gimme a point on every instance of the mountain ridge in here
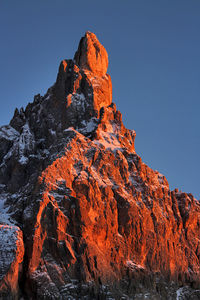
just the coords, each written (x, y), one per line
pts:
(96, 221)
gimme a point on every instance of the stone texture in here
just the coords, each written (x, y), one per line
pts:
(86, 74)
(11, 258)
(91, 55)
(97, 222)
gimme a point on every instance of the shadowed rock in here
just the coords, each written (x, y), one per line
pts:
(11, 258)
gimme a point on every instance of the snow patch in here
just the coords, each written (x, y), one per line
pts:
(179, 294)
(8, 133)
(78, 101)
(52, 132)
(132, 265)
(26, 144)
(88, 126)
(108, 140)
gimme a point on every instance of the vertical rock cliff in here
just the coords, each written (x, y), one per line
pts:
(82, 217)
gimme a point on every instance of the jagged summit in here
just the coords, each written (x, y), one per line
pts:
(92, 220)
(80, 99)
(86, 75)
(82, 88)
(91, 55)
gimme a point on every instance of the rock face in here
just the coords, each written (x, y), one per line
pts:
(91, 55)
(85, 77)
(11, 258)
(97, 222)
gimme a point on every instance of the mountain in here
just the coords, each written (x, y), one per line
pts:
(82, 217)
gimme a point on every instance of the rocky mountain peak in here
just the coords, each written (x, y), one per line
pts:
(91, 55)
(92, 220)
(86, 75)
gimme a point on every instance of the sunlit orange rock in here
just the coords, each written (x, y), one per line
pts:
(86, 76)
(91, 55)
(97, 222)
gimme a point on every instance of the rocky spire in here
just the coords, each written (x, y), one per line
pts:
(91, 55)
(97, 222)
(86, 75)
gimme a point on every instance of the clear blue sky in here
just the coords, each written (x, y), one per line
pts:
(154, 62)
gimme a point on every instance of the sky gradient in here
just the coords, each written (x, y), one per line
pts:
(154, 51)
